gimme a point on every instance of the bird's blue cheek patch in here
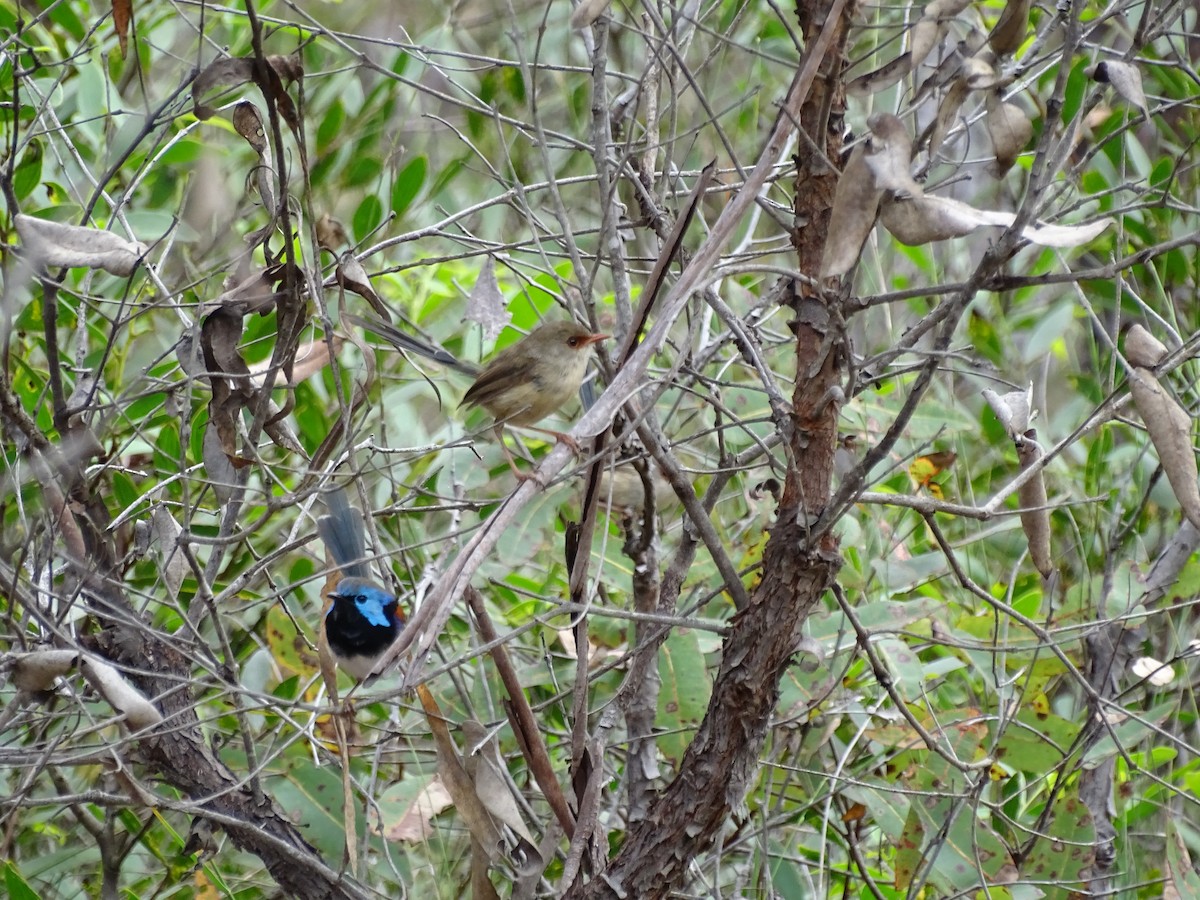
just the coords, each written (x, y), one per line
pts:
(372, 610)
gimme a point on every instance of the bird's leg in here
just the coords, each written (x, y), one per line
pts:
(558, 436)
(512, 464)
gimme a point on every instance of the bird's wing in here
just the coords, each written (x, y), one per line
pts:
(497, 379)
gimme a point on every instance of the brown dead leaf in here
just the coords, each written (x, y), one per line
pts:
(218, 467)
(457, 781)
(889, 155)
(416, 824)
(855, 205)
(1035, 518)
(37, 672)
(352, 276)
(1009, 129)
(172, 564)
(920, 220)
(1011, 27)
(56, 244)
(122, 15)
(979, 71)
(229, 72)
(1170, 429)
(947, 114)
(255, 293)
(311, 357)
(247, 121)
(1144, 349)
(882, 78)
(486, 768)
(486, 304)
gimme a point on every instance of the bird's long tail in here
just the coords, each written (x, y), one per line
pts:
(343, 533)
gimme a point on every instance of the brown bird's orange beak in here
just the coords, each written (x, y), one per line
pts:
(595, 339)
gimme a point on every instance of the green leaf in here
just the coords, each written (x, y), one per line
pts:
(683, 696)
(367, 217)
(1077, 84)
(362, 170)
(408, 184)
(18, 887)
(331, 125)
(1065, 848)
(28, 174)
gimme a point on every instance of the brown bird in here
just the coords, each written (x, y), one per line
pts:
(533, 378)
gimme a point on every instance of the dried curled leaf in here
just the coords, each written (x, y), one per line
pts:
(889, 155)
(1035, 517)
(947, 113)
(352, 276)
(1159, 674)
(927, 32)
(120, 694)
(1125, 78)
(247, 121)
(311, 358)
(36, 672)
(122, 16)
(172, 564)
(979, 71)
(1011, 27)
(416, 824)
(920, 220)
(882, 78)
(254, 293)
(56, 244)
(486, 768)
(480, 792)
(951, 65)
(233, 71)
(855, 204)
(486, 304)
(878, 166)
(1014, 410)
(1009, 129)
(1144, 349)
(1170, 430)
(216, 453)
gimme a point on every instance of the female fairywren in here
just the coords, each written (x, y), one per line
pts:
(364, 618)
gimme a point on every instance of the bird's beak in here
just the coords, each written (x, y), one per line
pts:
(595, 339)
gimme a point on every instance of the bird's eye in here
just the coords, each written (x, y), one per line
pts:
(572, 341)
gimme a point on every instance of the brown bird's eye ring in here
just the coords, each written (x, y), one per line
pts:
(573, 341)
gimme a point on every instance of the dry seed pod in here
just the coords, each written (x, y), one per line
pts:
(1035, 520)
(1170, 430)
(1144, 349)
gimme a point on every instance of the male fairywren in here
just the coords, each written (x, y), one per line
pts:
(364, 618)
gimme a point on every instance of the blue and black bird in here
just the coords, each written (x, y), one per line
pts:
(364, 618)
